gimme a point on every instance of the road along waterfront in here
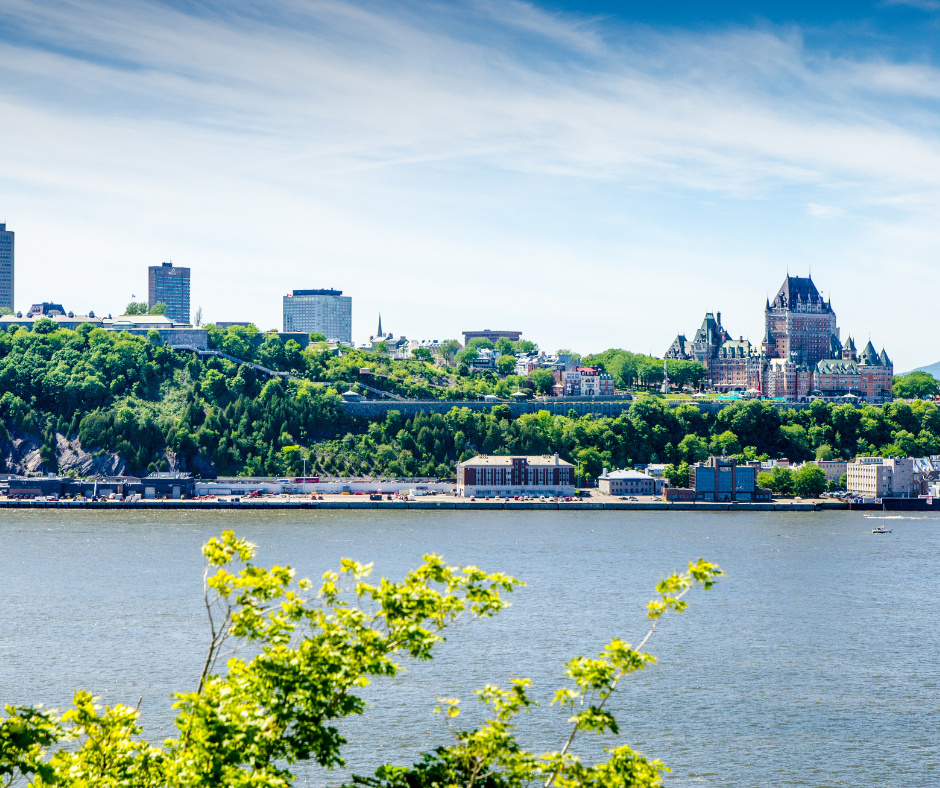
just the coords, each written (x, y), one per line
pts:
(812, 663)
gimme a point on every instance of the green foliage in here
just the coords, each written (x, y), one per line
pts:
(542, 380)
(809, 481)
(448, 348)
(140, 308)
(44, 325)
(678, 475)
(490, 755)
(150, 404)
(506, 365)
(636, 369)
(779, 481)
(248, 724)
(915, 385)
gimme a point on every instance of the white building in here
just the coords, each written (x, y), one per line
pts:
(429, 344)
(880, 477)
(629, 482)
(327, 312)
(490, 476)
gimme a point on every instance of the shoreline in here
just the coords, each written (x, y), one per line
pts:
(431, 504)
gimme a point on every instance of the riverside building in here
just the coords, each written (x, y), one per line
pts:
(169, 285)
(6, 267)
(720, 479)
(628, 482)
(327, 312)
(489, 476)
(880, 477)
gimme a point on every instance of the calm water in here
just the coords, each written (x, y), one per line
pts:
(815, 662)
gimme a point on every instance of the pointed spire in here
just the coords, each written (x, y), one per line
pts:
(379, 332)
(869, 355)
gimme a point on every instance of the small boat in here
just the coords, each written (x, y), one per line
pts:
(881, 530)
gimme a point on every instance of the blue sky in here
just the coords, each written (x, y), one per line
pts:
(595, 174)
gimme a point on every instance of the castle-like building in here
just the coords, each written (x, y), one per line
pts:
(802, 354)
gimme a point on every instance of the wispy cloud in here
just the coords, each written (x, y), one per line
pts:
(923, 5)
(824, 211)
(405, 134)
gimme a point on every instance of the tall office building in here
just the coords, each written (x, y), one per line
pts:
(170, 286)
(6, 267)
(327, 311)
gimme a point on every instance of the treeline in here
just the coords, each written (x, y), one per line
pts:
(651, 431)
(109, 392)
(636, 369)
(157, 408)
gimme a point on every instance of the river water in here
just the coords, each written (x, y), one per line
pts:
(815, 662)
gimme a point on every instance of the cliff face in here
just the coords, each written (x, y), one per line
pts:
(23, 455)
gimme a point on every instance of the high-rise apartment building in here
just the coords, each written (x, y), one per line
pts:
(6, 267)
(328, 312)
(169, 285)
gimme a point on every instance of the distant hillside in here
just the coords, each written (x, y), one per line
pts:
(931, 369)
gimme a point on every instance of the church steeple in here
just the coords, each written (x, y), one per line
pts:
(379, 333)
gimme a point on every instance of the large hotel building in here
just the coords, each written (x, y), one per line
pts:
(802, 354)
(327, 312)
(6, 267)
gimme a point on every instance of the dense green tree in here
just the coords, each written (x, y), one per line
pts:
(506, 365)
(678, 475)
(543, 380)
(778, 481)
(915, 385)
(809, 481)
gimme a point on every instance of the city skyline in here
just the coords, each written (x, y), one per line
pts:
(480, 164)
(177, 292)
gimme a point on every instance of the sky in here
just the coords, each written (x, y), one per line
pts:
(595, 174)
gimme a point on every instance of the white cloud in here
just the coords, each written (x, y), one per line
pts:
(824, 211)
(425, 153)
